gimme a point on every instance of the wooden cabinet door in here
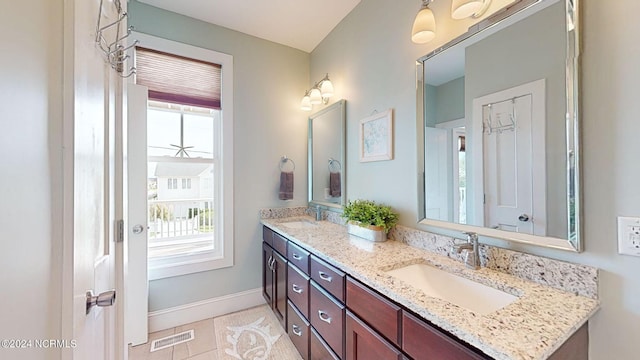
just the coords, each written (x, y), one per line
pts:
(363, 343)
(327, 276)
(424, 342)
(298, 289)
(267, 235)
(280, 288)
(326, 315)
(299, 329)
(383, 315)
(267, 273)
(318, 349)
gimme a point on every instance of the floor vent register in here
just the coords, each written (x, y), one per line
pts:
(172, 340)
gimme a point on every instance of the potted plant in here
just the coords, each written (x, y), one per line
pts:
(369, 220)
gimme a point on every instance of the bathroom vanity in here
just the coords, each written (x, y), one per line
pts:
(338, 299)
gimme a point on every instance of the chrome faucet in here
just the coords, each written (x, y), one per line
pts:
(472, 254)
(318, 213)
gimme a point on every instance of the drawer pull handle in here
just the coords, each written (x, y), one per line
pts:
(297, 289)
(297, 257)
(296, 330)
(324, 276)
(324, 316)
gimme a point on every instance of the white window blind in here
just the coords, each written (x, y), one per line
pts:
(176, 79)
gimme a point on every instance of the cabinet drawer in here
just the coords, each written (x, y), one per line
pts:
(318, 349)
(364, 343)
(381, 314)
(267, 235)
(327, 317)
(298, 289)
(298, 329)
(422, 341)
(298, 256)
(330, 278)
(280, 244)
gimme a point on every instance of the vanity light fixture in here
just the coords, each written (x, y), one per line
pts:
(306, 102)
(461, 9)
(424, 26)
(319, 94)
(316, 96)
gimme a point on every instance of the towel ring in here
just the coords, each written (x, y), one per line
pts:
(334, 165)
(284, 160)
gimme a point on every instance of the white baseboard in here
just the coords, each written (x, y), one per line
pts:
(201, 310)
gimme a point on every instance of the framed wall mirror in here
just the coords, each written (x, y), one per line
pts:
(499, 130)
(326, 156)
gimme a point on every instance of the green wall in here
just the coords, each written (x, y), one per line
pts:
(372, 62)
(269, 81)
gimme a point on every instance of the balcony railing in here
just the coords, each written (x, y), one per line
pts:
(184, 225)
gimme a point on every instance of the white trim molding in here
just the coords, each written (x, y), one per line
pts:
(222, 256)
(201, 310)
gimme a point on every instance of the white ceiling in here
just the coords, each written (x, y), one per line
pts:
(301, 24)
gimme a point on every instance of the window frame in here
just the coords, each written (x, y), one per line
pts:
(188, 264)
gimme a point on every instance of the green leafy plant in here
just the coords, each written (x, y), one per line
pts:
(160, 211)
(367, 212)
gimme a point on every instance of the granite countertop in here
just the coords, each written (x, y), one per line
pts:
(532, 327)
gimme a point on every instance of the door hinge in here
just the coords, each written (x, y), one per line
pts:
(120, 231)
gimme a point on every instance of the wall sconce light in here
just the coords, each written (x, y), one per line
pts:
(319, 94)
(306, 102)
(424, 26)
(461, 9)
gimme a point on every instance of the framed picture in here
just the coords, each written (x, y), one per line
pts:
(376, 137)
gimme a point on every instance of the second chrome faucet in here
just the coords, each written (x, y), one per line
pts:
(472, 251)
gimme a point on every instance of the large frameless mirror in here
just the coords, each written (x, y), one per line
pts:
(498, 120)
(326, 156)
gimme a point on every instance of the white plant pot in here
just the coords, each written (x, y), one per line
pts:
(371, 233)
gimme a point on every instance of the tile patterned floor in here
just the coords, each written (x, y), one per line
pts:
(203, 347)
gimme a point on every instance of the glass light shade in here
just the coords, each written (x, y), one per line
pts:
(315, 96)
(326, 89)
(424, 27)
(461, 9)
(305, 104)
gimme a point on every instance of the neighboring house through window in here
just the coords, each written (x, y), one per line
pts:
(189, 150)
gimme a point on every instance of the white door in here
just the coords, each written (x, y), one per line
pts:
(137, 283)
(436, 177)
(513, 125)
(91, 110)
(459, 175)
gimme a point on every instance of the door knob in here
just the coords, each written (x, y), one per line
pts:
(138, 229)
(107, 298)
(523, 217)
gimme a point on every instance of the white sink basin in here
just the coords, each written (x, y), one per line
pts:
(476, 297)
(299, 224)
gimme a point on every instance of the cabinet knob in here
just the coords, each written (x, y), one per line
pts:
(297, 289)
(324, 316)
(296, 330)
(272, 261)
(324, 276)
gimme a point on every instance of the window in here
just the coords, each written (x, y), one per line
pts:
(190, 143)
